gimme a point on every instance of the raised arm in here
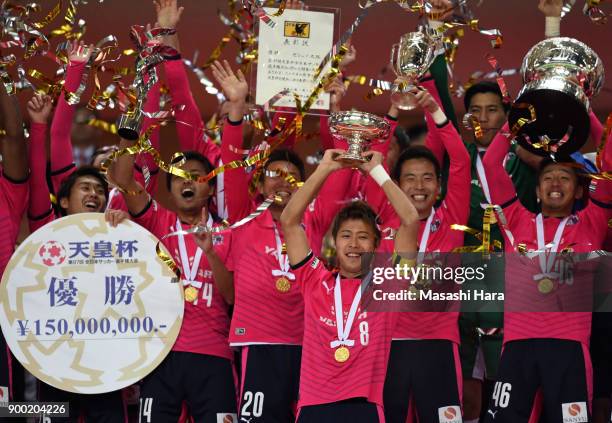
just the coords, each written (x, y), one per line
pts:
(61, 127)
(502, 191)
(293, 214)
(406, 236)
(13, 147)
(459, 174)
(39, 206)
(236, 181)
(122, 174)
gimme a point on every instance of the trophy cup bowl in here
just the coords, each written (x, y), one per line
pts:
(410, 59)
(129, 125)
(560, 74)
(358, 128)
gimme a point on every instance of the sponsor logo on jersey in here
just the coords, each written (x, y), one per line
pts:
(449, 414)
(240, 331)
(574, 412)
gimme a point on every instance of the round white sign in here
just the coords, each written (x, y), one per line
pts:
(89, 308)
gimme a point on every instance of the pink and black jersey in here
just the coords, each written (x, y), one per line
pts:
(205, 324)
(584, 231)
(262, 314)
(13, 202)
(454, 209)
(322, 378)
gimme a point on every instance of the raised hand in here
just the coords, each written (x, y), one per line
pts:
(337, 89)
(375, 158)
(39, 108)
(234, 85)
(441, 10)
(551, 7)
(425, 100)
(349, 57)
(79, 52)
(168, 13)
(115, 217)
(329, 161)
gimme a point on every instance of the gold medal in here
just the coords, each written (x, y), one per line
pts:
(545, 285)
(191, 294)
(342, 354)
(283, 285)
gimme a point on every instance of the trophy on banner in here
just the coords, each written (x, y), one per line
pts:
(560, 74)
(410, 59)
(358, 128)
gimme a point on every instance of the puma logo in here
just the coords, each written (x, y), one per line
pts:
(329, 290)
(244, 419)
(270, 250)
(492, 413)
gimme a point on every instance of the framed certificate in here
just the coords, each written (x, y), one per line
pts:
(289, 54)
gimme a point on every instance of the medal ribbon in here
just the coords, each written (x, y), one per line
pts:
(546, 263)
(283, 259)
(345, 330)
(483, 179)
(190, 273)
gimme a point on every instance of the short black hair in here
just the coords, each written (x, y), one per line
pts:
(415, 152)
(66, 186)
(285, 155)
(484, 87)
(416, 131)
(357, 210)
(547, 161)
(193, 155)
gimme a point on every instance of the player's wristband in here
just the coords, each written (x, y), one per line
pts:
(439, 117)
(552, 27)
(379, 174)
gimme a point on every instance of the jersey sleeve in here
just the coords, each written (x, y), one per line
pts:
(457, 199)
(145, 159)
(155, 218)
(502, 191)
(61, 127)
(39, 206)
(189, 124)
(222, 243)
(236, 182)
(310, 273)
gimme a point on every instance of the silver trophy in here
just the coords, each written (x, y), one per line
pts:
(560, 74)
(129, 124)
(358, 128)
(410, 59)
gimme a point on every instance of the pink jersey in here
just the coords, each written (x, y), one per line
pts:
(583, 232)
(205, 324)
(13, 202)
(262, 314)
(454, 209)
(322, 379)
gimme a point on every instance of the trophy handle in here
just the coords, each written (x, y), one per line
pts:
(394, 59)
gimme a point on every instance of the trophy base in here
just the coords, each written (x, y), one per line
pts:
(351, 159)
(128, 134)
(403, 100)
(557, 113)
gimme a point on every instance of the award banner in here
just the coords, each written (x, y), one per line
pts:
(289, 55)
(88, 308)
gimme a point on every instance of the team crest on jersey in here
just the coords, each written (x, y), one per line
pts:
(435, 225)
(449, 414)
(573, 219)
(574, 412)
(315, 263)
(217, 239)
